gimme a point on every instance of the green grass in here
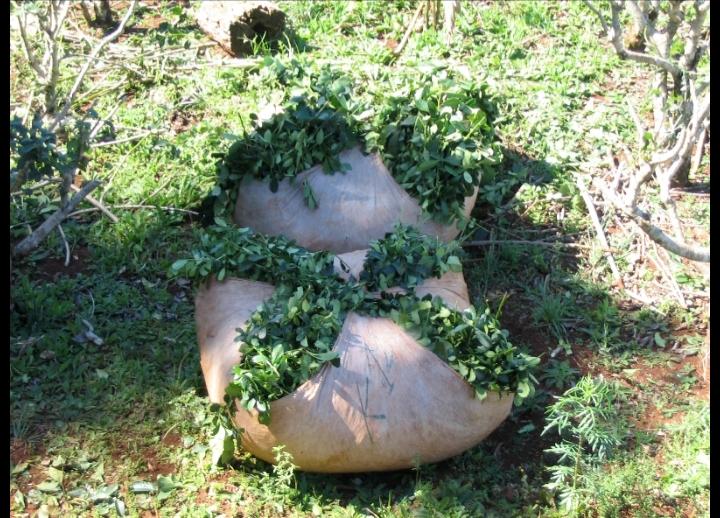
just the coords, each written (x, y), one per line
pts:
(89, 420)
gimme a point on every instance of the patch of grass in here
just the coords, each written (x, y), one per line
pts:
(552, 309)
(632, 484)
(559, 374)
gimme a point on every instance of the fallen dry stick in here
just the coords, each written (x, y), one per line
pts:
(98, 204)
(599, 231)
(40, 233)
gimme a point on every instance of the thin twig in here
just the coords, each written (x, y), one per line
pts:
(493, 242)
(683, 192)
(696, 294)
(599, 231)
(115, 168)
(101, 122)
(28, 110)
(33, 240)
(409, 30)
(132, 207)
(169, 179)
(667, 272)
(29, 54)
(176, 50)
(674, 219)
(97, 204)
(106, 143)
(67, 246)
(638, 297)
(639, 126)
(27, 190)
(603, 22)
(88, 64)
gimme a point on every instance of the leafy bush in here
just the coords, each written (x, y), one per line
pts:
(34, 152)
(588, 421)
(36, 156)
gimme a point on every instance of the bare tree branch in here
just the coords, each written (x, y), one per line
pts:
(58, 15)
(67, 246)
(690, 53)
(697, 156)
(616, 40)
(600, 16)
(133, 207)
(653, 232)
(409, 30)
(599, 231)
(33, 240)
(494, 242)
(101, 207)
(639, 126)
(88, 64)
(29, 53)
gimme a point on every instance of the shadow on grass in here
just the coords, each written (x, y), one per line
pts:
(108, 341)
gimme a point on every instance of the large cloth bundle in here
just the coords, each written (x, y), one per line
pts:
(354, 207)
(391, 404)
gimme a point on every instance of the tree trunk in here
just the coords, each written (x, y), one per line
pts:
(104, 14)
(451, 8)
(234, 24)
(705, 358)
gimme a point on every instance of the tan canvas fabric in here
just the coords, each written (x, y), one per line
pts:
(391, 404)
(354, 208)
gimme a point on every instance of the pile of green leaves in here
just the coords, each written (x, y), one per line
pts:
(469, 341)
(229, 251)
(433, 129)
(289, 143)
(289, 339)
(405, 258)
(434, 132)
(291, 336)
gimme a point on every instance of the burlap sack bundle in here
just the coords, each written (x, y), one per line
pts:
(354, 207)
(391, 403)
